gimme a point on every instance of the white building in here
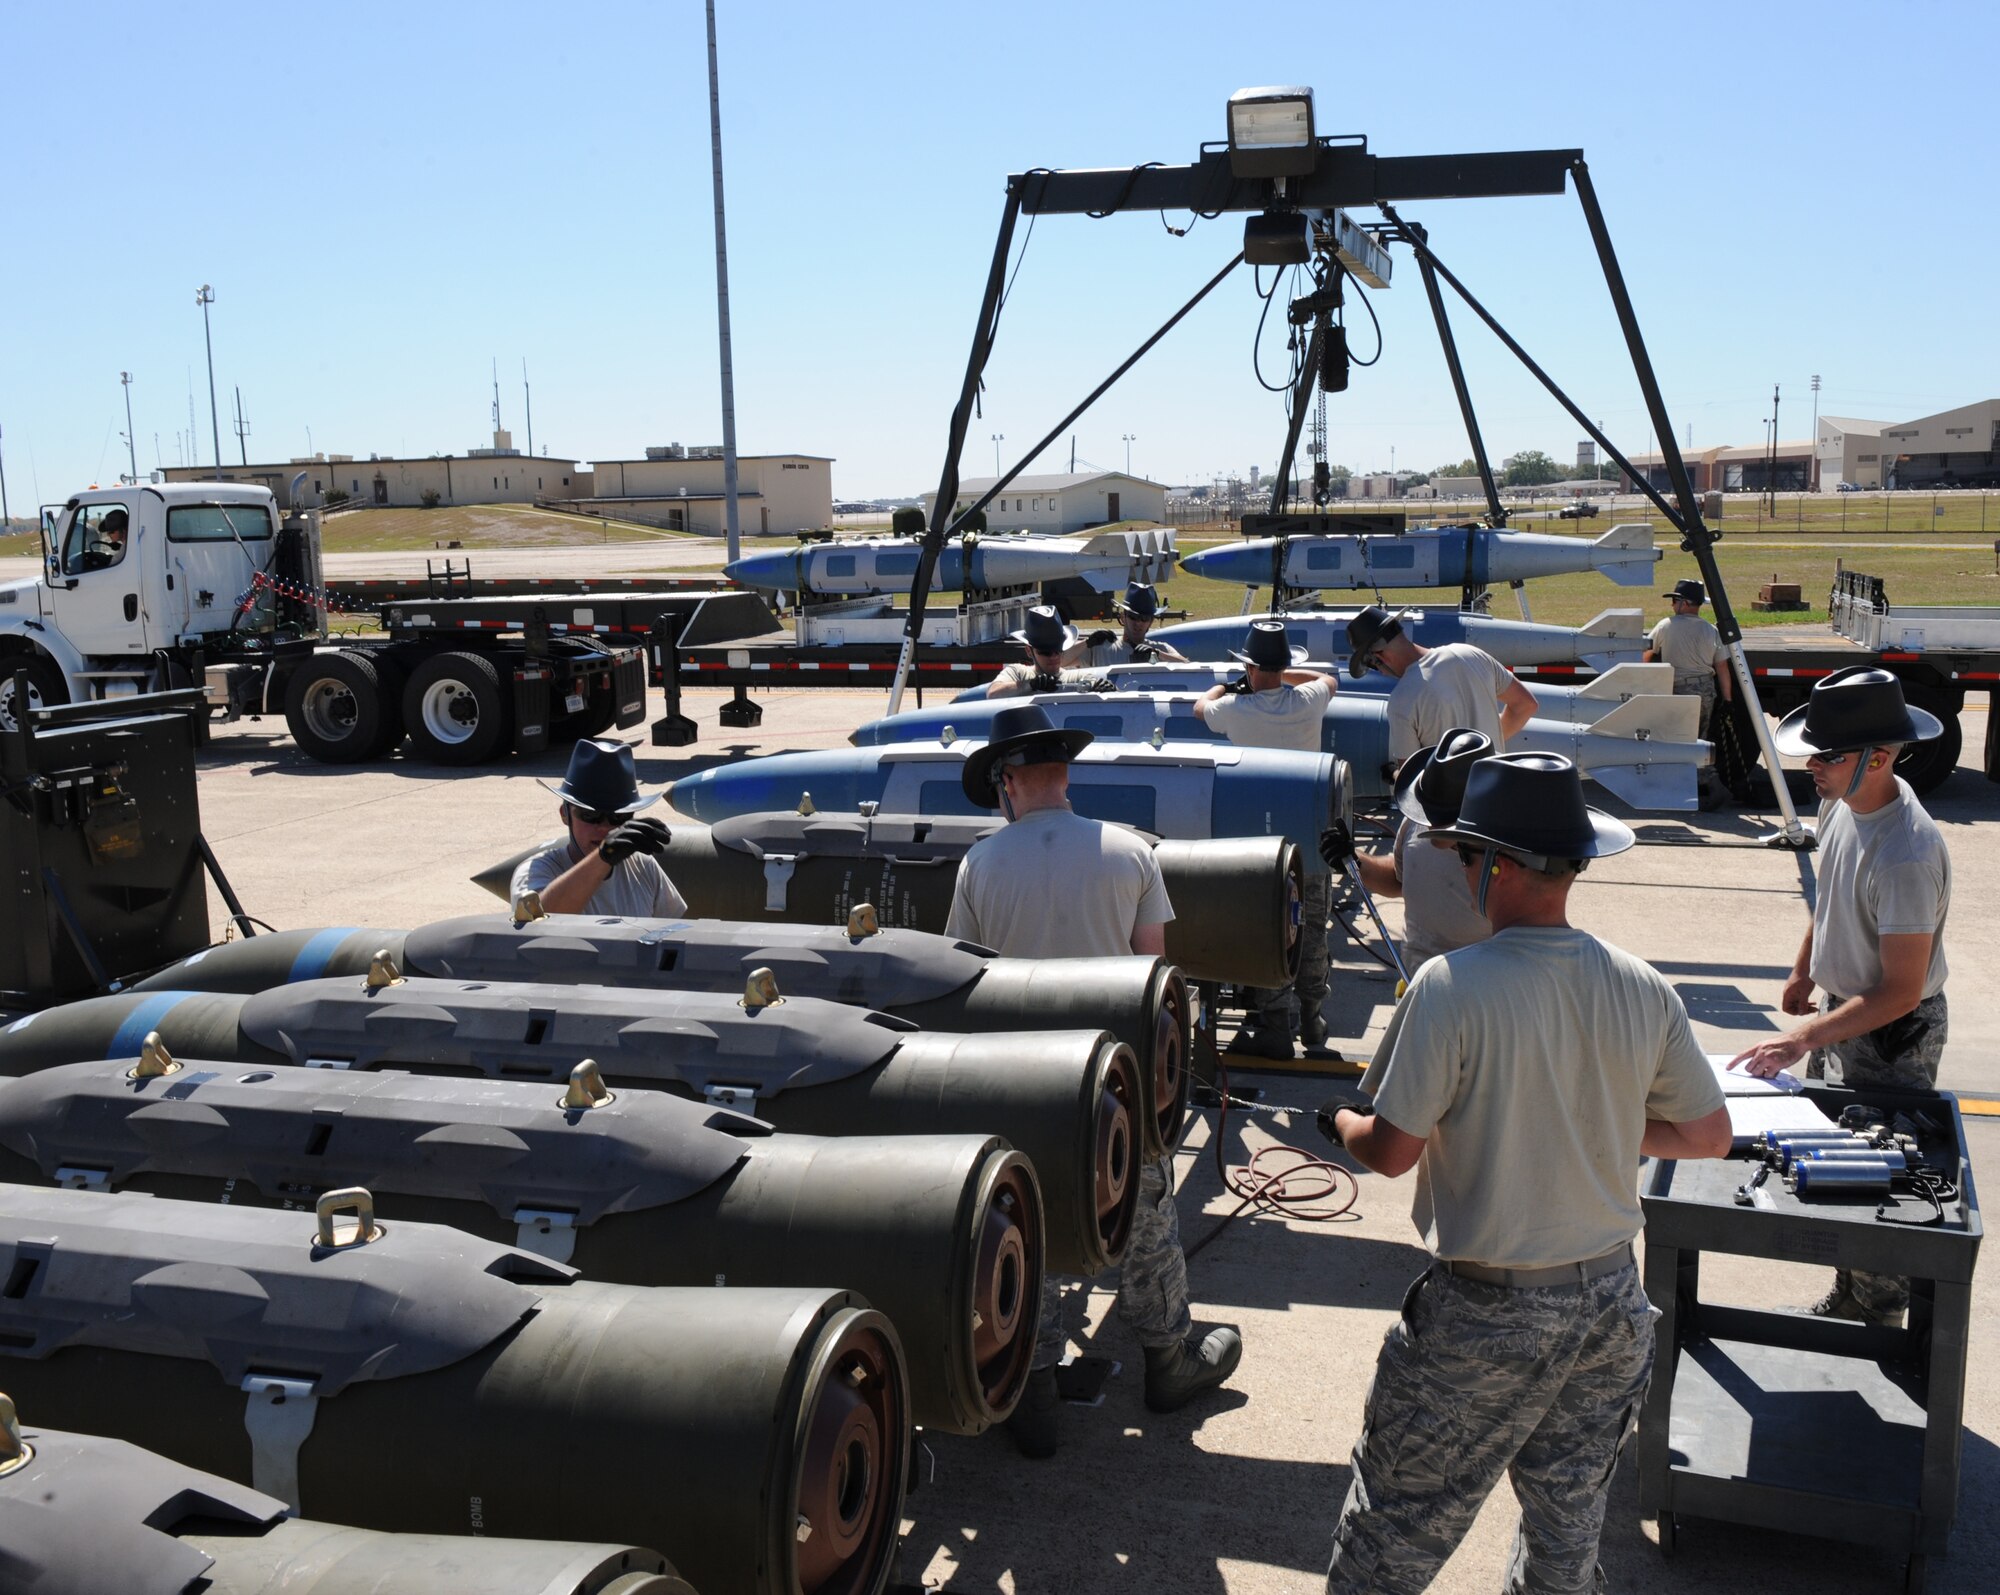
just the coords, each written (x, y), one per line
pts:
(1067, 502)
(776, 494)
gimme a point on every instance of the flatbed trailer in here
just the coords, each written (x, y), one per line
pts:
(456, 582)
(708, 614)
(1938, 672)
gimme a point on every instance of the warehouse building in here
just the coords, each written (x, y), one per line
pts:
(499, 475)
(1954, 448)
(682, 489)
(1730, 470)
(1065, 502)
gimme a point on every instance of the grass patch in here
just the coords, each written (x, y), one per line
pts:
(373, 531)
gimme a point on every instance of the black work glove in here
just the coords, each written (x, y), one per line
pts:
(1238, 687)
(1045, 681)
(1336, 846)
(1101, 638)
(634, 836)
(1348, 1097)
(1145, 652)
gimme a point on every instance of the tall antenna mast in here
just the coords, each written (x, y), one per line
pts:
(496, 401)
(528, 402)
(242, 430)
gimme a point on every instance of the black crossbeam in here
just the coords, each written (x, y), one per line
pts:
(1347, 176)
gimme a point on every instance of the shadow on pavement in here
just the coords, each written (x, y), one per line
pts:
(1726, 1007)
(999, 1519)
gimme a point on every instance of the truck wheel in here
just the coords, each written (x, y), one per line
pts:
(1925, 764)
(46, 687)
(454, 710)
(334, 708)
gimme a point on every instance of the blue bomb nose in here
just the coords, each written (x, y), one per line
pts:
(776, 572)
(1247, 564)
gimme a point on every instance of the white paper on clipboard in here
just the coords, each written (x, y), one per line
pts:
(1735, 1083)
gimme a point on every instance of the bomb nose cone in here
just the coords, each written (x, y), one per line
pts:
(1248, 562)
(772, 571)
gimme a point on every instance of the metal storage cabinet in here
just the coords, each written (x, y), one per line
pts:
(1814, 1426)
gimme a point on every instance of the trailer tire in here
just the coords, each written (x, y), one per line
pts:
(454, 709)
(46, 687)
(334, 708)
(1926, 764)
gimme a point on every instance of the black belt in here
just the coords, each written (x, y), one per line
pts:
(1540, 1278)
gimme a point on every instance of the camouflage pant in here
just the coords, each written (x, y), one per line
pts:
(1690, 684)
(1279, 1007)
(1152, 1279)
(1475, 1381)
(1903, 1054)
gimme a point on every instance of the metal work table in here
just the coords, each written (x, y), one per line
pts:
(1815, 1426)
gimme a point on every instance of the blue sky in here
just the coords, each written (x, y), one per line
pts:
(387, 197)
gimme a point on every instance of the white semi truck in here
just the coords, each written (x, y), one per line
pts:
(204, 584)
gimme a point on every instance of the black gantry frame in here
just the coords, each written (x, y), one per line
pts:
(1346, 176)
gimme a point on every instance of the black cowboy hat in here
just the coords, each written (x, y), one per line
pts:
(1689, 589)
(1141, 600)
(1366, 631)
(1859, 707)
(1266, 648)
(1021, 728)
(602, 779)
(1045, 632)
(1431, 784)
(1532, 804)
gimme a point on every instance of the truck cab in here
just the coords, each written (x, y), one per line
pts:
(135, 580)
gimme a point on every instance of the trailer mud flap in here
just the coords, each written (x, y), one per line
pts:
(531, 709)
(628, 682)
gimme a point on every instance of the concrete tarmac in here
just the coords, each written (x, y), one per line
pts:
(1238, 1493)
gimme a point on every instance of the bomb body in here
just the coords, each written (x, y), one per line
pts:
(1438, 556)
(1071, 1101)
(412, 1379)
(1643, 751)
(944, 1234)
(1615, 636)
(81, 1514)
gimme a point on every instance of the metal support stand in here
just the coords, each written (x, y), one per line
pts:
(227, 892)
(740, 712)
(1494, 511)
(673, 729)
(982, 348)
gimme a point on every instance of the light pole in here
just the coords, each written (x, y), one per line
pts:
(131, 445)
(998, 439)
(4, 517)
(1128, 437)
(731, 526)
(1814, 482)
(205, 296)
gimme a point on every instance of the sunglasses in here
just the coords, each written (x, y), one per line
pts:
(1832, 761)
(594, 817)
